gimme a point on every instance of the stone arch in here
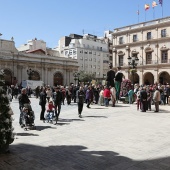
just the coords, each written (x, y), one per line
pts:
(136, 78)
(35, 75)
(164, 77)
(58, 79)
(148, 78)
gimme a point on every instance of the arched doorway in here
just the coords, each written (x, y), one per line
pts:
(164, 77)
(35, 76)
(136, 78)
(148, 78)
(8, 77)
(58, 79)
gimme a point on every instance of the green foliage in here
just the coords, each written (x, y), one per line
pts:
(132, 71)
(6, 129)
(86, 77)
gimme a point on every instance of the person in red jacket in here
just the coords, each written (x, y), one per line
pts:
(107, 96)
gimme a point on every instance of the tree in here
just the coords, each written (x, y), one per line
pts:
(6, 129)
(86, 77)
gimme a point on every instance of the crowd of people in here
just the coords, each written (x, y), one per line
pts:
(51, 98)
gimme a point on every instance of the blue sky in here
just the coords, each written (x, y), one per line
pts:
(51, 19)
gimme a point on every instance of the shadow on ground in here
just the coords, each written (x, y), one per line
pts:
(26, 134)
(40, 128)
(73, 158)
(95, 116)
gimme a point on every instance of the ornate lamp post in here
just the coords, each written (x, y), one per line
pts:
(133, 62)
(76, 77)
(30, 72)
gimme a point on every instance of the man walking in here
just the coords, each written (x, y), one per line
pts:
(23, 99)
(80, 97)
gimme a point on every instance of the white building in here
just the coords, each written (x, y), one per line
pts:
(45, 63)
(150, 43)
(90, 51)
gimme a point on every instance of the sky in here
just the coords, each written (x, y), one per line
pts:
(49, 20)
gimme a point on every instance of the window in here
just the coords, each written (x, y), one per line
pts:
(163, 33)
(149, 58)
(85, 52)
(90, 52)
(148, 35)
(94, 53)
(120, 60)
(70, 52)
(100, 48)
(120, 40)
(66, 53)
(135, 38)
(164, 57)
(74, 52)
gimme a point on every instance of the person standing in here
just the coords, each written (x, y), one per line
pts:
(49, 94)
(156, 99)
(143, 99)
(80, 97)
(42, 103)
(118, 81)
(130, 95)
(113, 95)
(110, 76)
(89, 96)
(107, 96)
(57, 99)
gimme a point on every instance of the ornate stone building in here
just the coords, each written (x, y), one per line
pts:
(44, 65)
(150, 43)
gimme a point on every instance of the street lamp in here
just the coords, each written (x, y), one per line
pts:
(76, 77)
(133, 62)
(30, 72)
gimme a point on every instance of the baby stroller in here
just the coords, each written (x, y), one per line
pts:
(28, 117)
(50, 116)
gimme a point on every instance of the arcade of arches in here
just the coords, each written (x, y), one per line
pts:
(148, 78)
(58, 79)
(10, 80)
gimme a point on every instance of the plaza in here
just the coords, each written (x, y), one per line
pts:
(105, 138)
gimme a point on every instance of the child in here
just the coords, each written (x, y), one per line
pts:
(50, 111)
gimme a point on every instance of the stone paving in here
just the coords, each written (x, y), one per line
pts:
(105, 138)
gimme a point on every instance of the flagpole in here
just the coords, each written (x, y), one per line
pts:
(153, 13)
(162, 10)
(138, 13)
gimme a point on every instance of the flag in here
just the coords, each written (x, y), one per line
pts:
(161, 2)
(154, 4)
(138, 12)
(147, 7)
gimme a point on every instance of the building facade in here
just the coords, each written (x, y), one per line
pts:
(44, 64)
(90, 51)
(150, 43)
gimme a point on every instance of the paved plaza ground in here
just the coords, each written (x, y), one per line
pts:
(105, 138)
